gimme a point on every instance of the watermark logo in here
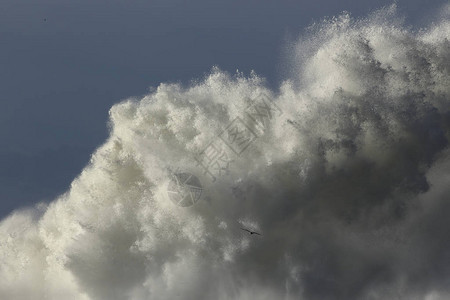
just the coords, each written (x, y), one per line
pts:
(184, 189)
(237, 136)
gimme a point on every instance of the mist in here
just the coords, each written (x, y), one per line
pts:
(343, 169)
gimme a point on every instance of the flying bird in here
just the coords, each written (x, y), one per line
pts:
(251, 232)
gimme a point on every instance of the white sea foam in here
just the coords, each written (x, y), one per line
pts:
(348, 184)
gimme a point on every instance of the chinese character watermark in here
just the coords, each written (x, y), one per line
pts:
(214, 160)
(237, 136)
(261, 111)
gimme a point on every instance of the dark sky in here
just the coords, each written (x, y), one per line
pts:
(65, 63)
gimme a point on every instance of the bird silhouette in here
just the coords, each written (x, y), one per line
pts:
(251, 232)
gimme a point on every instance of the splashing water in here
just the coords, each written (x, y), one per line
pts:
(349, 184)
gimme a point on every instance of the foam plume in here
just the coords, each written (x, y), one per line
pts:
(346, 178)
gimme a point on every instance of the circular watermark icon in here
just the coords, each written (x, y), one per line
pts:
(184, 189)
